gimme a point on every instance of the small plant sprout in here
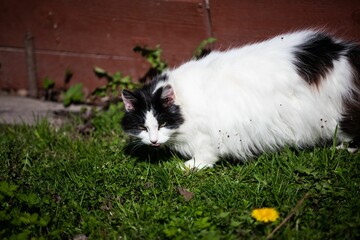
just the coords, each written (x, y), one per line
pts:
(202, 49)
(74, 94)
(115, 82)
(48, 83)
(265, 214)
(153, 56)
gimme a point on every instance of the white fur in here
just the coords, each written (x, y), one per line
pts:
(251, 99)
(154, 135)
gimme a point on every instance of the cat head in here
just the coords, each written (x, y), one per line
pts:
(151, 114)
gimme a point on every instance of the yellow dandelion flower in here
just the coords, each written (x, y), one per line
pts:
(265, 214)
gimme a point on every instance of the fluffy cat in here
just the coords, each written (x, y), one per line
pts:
(295, 89)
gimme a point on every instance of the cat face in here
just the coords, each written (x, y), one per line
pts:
(151, 116)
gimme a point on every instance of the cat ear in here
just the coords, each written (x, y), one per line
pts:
(168, 96)
(129, 100)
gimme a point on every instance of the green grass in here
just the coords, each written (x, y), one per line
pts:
(57, 184)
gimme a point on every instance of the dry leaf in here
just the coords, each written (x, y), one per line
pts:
(80, 237)
(185, 193)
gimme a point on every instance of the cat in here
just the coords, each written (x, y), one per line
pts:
(296, 89)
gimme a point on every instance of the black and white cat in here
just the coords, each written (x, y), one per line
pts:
(292, 90)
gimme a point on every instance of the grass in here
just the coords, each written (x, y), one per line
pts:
(57, 184)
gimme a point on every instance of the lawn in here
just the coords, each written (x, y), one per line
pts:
(61, 184)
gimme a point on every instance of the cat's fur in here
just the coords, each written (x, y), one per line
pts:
(292, 90)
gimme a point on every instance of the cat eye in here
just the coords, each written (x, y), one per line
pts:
(162, 125)
(143, 128)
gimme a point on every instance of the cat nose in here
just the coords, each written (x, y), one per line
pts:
(153, 141)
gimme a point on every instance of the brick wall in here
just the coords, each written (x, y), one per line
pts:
(80, 34)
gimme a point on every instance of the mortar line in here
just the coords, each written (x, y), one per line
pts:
(66, 53)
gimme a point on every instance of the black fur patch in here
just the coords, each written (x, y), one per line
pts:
(314, 58)
(350, 122)
(145, 101)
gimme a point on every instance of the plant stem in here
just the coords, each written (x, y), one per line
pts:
(292, 212)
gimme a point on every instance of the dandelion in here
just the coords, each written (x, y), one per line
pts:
(265, 214)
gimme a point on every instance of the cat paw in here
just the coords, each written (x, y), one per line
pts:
(346, 147)
(195, 165)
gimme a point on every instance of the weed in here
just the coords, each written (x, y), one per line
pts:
(153, 56)
(157, 64)
(48, 83)
(115, 83)
(202, 49)
(74, 94)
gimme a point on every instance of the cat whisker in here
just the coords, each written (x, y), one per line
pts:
(137, 144)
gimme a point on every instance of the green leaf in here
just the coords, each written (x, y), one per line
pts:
(33, 199)
(74, 94)
(4, 216)
(198, 51)
(100, 91)
(7, 188)
(25, 218)
(30, 199)
(48, 83)
(202, 223)
(170, 231)
(224, 214)
(44, 221)
(68, 75)
(153, 56)
(100, 73)
(304, 170)
(116, 77)
(235, 223)
(33, 217)
(21, 236)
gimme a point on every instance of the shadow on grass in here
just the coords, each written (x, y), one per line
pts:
(147, 153)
